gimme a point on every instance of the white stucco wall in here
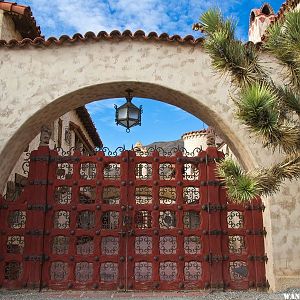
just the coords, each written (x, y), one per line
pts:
(39, 88)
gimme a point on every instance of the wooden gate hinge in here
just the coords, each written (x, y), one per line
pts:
(35, 258)
(256, 207)
(258, 258)
(43, 207)
(37, 232)
(215, 258)
(40, 158)
(257, 232)
(214, 207)
(40, 182)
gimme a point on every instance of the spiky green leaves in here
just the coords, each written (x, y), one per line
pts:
(283, 40)
(259, 109)
(229, 55)
(241, 187)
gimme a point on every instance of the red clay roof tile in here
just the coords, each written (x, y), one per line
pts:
(23, 19)
(103, 35)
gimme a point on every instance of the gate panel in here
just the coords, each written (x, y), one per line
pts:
(166, 241)
(129, 222)
(85, 229)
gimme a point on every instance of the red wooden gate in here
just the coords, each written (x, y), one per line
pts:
(129, 222)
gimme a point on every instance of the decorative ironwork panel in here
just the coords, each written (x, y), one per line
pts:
(17, 219)
(87, 194)
(238, 270)
(167, 195)
(168, 271)
(110, 245)
(191, 219)
(13, 270)
(143, 171)
(235, 219)
(192, 244)
(167, 219)
(143, 195)
(109, 272)
(143, 219)
(111, 195)
(167, 171)
(59, 271)
(192, 270)
(83, 271)
(112, 171)
(15, 244)
(236, 244)
(167, 244)
(143, 271)
(191, 195)
(64, 171)
(62, 219)
(141, 230)
(190, 172)
(60, 245)
(88, 171)
(143, 245)
(63, 194)
(86, 219)
(85, 245)
(110, 220)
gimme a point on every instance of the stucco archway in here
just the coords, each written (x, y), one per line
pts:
(43, 82)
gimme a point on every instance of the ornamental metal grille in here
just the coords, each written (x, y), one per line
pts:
(129, 222)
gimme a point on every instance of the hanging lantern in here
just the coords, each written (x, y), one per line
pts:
(128, 115)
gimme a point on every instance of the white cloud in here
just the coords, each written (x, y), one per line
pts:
(70, 16)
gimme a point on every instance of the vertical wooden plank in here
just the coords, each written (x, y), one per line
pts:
(215, 242)
(33, 251)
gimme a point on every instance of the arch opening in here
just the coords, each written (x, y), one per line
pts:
(80, 97)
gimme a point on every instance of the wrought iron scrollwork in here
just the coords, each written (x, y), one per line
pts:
(143, 271)
(17, 219)
(59, 271)
(143, 245)
(167, 219)
(235, 219)
(192, 244)
(167, 195)
(15, 244)
(86, 219)
(85, 245)
(83, 271)
(13, 270)
(168, 271)
(167, 244)
(192, 270)
(109, 272)
(110, 245)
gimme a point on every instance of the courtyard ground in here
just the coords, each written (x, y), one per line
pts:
(63, 295)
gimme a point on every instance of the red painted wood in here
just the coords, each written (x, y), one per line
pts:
(111, 260)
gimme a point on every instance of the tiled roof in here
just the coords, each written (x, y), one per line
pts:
(203, 131)
(23, 19)
(103, 35)
(88, 124)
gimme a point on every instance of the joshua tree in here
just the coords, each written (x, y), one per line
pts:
(269, 110)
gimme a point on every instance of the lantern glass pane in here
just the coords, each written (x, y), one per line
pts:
(124, 123)
(122, 113)
(134, 114)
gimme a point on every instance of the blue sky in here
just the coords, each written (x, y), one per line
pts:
(160, 122)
